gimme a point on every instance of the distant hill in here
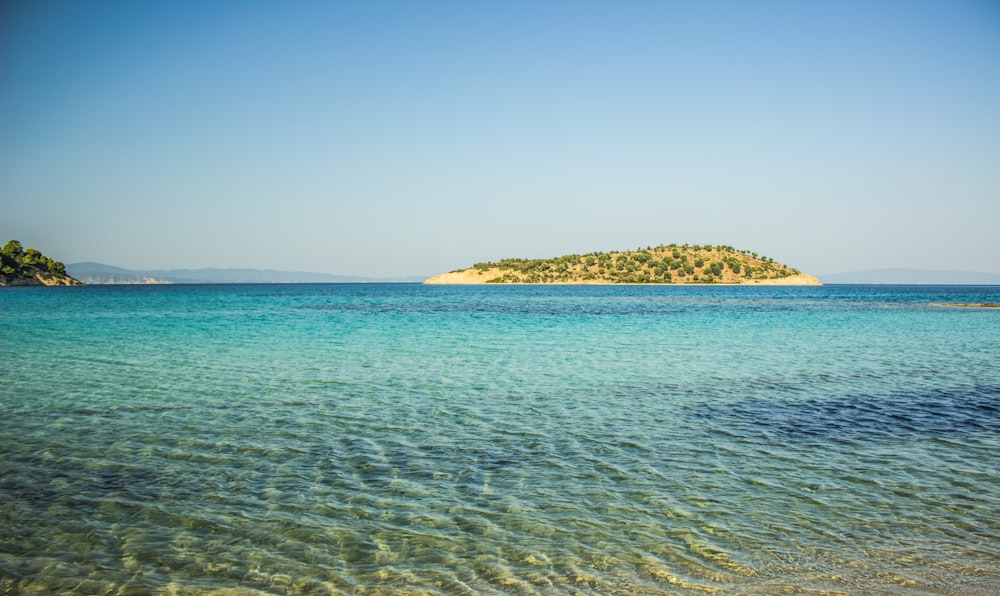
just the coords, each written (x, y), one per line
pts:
(99, 273)
(29, 267)
(913, 277)
(670, 264)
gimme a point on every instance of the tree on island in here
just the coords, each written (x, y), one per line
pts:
(718, 263)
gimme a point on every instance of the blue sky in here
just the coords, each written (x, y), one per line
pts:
(417, 137)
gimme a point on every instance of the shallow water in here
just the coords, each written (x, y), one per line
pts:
(313, 439)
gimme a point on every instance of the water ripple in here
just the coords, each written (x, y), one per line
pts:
(332, 440)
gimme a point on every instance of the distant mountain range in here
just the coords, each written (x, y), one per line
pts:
(913, 277)
(99, 273)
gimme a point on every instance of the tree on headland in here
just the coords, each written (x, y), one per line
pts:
(29, 266)
(10, 258)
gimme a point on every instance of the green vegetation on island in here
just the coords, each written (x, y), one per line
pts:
(665, 264)
(968, 304)
(29, 267)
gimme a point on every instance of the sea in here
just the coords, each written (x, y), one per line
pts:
(411, 439)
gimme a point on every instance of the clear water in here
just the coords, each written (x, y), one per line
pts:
(499, 440)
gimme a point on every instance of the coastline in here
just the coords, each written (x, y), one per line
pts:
(481, 277)
(40, 280)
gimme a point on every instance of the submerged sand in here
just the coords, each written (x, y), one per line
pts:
(968, 304)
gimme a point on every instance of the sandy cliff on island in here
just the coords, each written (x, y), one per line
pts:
(475, 276)
(671, 264)
(800, 279)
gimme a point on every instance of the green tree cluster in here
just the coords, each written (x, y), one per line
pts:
(661, 264)
(15, 260)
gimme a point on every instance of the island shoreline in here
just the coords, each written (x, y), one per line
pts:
(676, 265)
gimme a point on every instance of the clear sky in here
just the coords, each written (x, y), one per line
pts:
(414, 137)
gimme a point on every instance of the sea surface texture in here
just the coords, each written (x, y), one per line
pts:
(408, 439)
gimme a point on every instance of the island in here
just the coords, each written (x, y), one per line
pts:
(968, 304)
(664, 264)
(29, 267)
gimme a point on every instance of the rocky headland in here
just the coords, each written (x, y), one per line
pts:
(29, 267)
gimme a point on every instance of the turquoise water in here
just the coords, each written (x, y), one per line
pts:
(386, 439)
